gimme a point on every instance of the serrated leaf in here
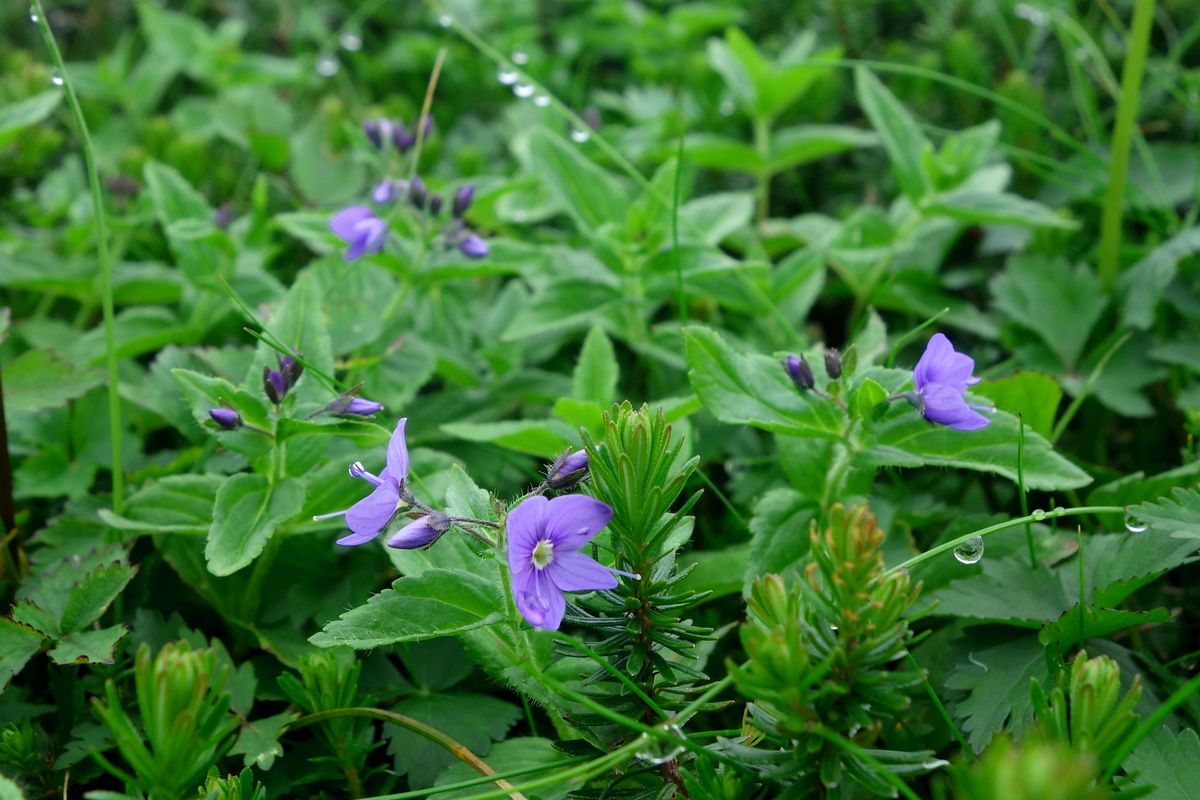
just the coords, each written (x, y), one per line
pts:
(561, 306)
(258, 741)
(39, 379)
(996, 678)
(174, 504)
(590, 195)
(91, 597)
(435, 603)
(752, 389)
(1177, 514)
(1118, 564)
(902, 137)
(1005, 590)
(1064, 632)
(1141, 286)
(88, 646)
(595, 375)
(780, 532)
(1167, 761)
(18, 644)
(465, 499)
(475, 720)
(1058, 303)
(248, 510)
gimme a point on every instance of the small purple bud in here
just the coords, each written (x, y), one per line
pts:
(223, 217)
(274, 385)
(833, 364)
(383, 192)
(800, 372)
(227, 418)
(567, 470)
(435, 204)
(401, 138)
(372, 128)
(291, 370)
(361, 407)
(122, 185)
(591, 115)
(462, 200)
(420, 532)
(473, 246)
(417, 193)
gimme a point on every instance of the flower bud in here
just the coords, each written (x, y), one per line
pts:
(371, 127)
(291, 369)
(833, 364)
(462, 200)
(383, 192)
(402, 139)
(473, 246)
(274, 385)
(361, 407)
(417, 193)
(435, 204)
(800, 372)
(223, 217)
(567, 470)
(227, 418)
(420, 532)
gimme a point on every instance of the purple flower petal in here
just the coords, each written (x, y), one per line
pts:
(541, 602)
(343, 224)
(397, 453)
(941, 364)
(946, 405)
(524, 526)
(383, 192)
(417, 533)
(361, 407)
(473, 246)
(572, 571)
(572, 521)
(371, 515)
(374, 233)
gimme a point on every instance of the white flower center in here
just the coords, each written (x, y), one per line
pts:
(543, 553)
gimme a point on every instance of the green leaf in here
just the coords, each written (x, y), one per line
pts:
(715, 573)
(522, 753)
(1141, 286)
(1178, 514)
(39, 379)
(475, 720)
(174, 504)
(29, 111)
(1167, 761)
(780, 532)
(435, 603)
(713, 151)
(18, 644)
(1118, 564)
(1056, 302)
(802, 144)
(998, 208)
(204, 393)
(562, 305)
(88, 646)
(902, 138)
(867, 397)
(996, 677)
(89, 598)
(1033, 396)
(904, 439)
(1063, 633)
(322, 175)
(591, 196)
(580, 414)
(248, 510)
(713, 218)
(300, 323)
(175, 200)
(258, 743)
(312, 228)
(595, 376)
(465, 499)
(752, 389)
(8, 789)
(541, 438)
(1006, 590)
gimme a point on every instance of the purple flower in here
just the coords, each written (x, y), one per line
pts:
(462, 200)
(374, 130)
(275, 385)
(369, 516)
(473, 246)
(544, 537)
(359, 228)
(227, 418)
(800, 372)
(420, 532)
(402, 139)
(417, 192)
(435, 205)
(941, 379)
(567, 470)
(833, 364)
(383, 192)
(361, 407)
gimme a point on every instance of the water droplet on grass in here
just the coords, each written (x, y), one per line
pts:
(33, 15)
(445, 20)
(1038, 514)
(970, 551)
(56, 79)
(1133, 524)
(580, 136)
(523, 90)
(351, 42)
(660, 751)
(507, 76)
(541, 101)
(520, 58)
(327, 66)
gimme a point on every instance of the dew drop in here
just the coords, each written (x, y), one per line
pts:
(351, 42)
(520, 58)
(445, 20)
(541, 101)
(507, 76)
(327, 66)
(56, 79)
(660, 751)
(727, 107)
(523, 90)
(1133, 524)
(970, 551)
(1038, 514)
(580, 136)
(33, 15)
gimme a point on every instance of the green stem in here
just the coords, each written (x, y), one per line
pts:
(1036, 516)
(1118, 162)
(453, 746)
(762, 177)
(1096, 372)
(945, 715)
(1021, 489)
(102, 256)
(446, 788)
